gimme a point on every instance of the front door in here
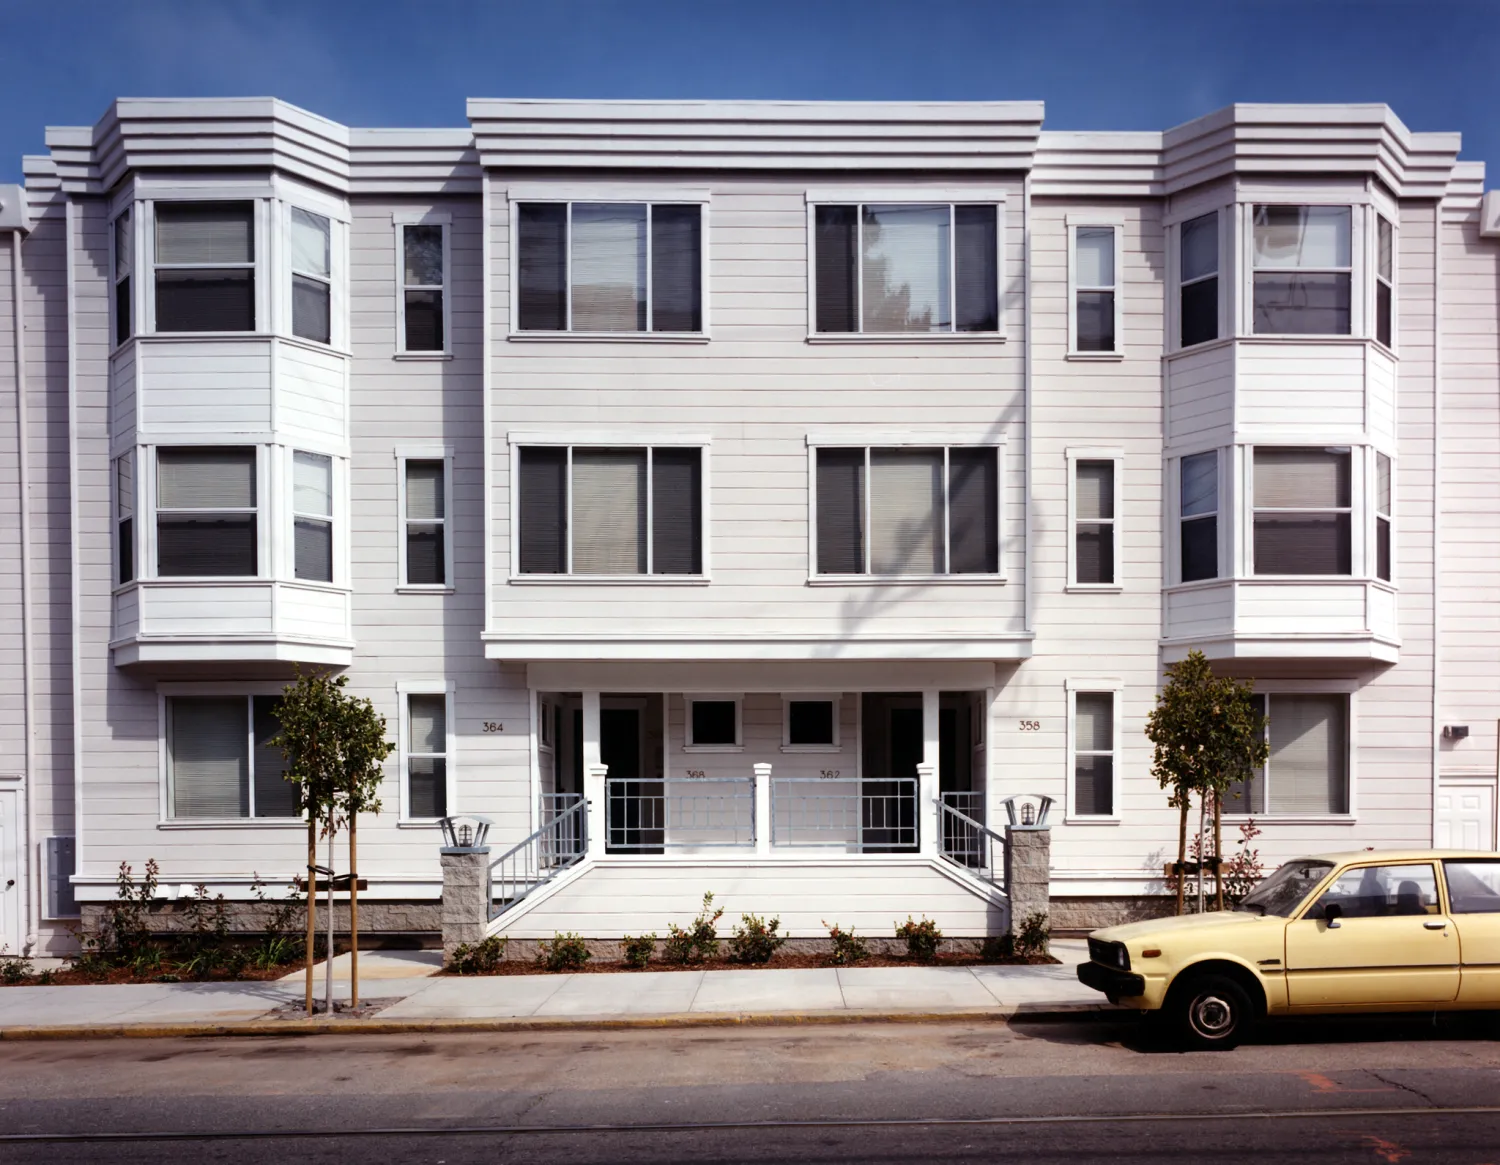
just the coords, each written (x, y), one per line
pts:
(1393, 945)
(1465, 817)
(10, 872)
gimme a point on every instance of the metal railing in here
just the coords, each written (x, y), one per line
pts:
(651, 816)
(970, 843)
(562, 841)
(867, 815)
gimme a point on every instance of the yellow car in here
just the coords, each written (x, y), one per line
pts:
(1353, 932)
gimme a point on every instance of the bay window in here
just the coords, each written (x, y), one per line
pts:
(206, 512)
(205, 266)
(221, 764)
(902, 269)
(312, 520)
(1198, 280)
(1302, 511)
(1383, 517)
(907, 511)
(1307, 773)
(312, 276)
(124, 260)
(609, 511)
(1198, 524)
(125, 517)
(1303, 268)
(1385, 278)
(609, 267)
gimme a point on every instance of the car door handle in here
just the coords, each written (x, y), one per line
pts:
(1436, 924)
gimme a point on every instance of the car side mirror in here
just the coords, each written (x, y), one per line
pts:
(1331, 915)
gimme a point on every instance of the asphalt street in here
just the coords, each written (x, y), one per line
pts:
(1384, 1091)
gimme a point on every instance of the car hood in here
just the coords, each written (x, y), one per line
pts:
(1184, 922)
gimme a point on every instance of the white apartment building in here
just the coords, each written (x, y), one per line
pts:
(739, 497)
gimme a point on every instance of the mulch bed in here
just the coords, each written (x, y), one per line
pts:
(782, 961)
(67, 977)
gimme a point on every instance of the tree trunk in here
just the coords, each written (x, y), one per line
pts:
(1181, 862)
(1201, 813)
(354, 915)
(1218, 850)
(312, 898)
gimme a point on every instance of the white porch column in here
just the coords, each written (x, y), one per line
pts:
(927, 777)
(762, 808)
(594, 771)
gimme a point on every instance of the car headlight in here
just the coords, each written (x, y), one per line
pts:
(1110, 954)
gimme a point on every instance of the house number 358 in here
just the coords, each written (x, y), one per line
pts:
(493, 726)
(1031, 725)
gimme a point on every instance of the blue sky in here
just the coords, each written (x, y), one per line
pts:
(1098, 64)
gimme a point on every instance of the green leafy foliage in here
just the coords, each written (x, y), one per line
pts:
(565, 951)
(479, 959)
(1032, 938)
(1243, 869)
(334, 745)
(999, 946)
(755, 940)
(922, 938)
(700, 941)
(848, 947)
(638, 950)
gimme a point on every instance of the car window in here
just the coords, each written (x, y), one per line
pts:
(1473, 887)
(1381, 892)
(1284, 890)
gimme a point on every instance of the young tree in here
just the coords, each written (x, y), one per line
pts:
(1208, 734)
(334, 744)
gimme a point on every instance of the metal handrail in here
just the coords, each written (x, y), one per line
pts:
(654, 814)
(561, 842)
(858, 817)
(971, 844)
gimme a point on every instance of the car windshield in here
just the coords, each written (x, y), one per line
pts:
(1283, 891)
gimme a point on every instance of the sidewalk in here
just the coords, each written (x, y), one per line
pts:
(413, 998)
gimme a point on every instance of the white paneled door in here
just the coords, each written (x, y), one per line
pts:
(1465, 817)
(10, 872)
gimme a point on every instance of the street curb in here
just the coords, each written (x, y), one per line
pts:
(387, 1027)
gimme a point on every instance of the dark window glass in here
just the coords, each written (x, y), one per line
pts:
(1302, 304)
(424, 553)
(713, 722)
(676, 269)
(427, 789)
(314, 549)
(1473, 887)
(1095, 553)
(1096, 321)
(809, 721)
(1094, 785)
(204, 281)
(1302, 544)
(1200, 549)
(1383, 549)
(543, 510)
(836, 253)
(1200, 312)
(840, 481)
(424, 321)
(976, 270)
(208, 545)
(127, 550)
(310, 311)
(677, 511)
(274, 795)
(542, 266)
(1094, 535)
(122, 310)
(1383, 312)
(973, 512)
(200, 300)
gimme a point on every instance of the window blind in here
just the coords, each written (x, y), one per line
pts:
(905, 269)
(973, 511)
(1309, 754)
(196, 289)
(1199, 529)
(677, 511)
(906, 511)
(274, 795)
(1093, 731)
(543, 510)
(1382, 517)
(205, 479)
(836, 256)
(313, 550)
(676, 268)
(208, 747)
(310, 243)
(425, 514)
(1094, 537)
(976, 275)
(427, 776)
(609, 511)
(312, 266)
(1094, 263)
(206, 233)
(1300, 479)
(429, 723)
(841, 511)
(198, 532)
(609, 267)
(1304, 542)
(542, 266)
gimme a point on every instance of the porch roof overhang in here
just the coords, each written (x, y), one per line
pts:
(763, 675)
(521, 648)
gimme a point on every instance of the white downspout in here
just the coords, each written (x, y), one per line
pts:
(1437, 507)
(75, 585)
(28, 718)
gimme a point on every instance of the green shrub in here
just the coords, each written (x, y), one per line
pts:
(700, 941)
(638, 950)
(565, 952)
(755, 940)
(13, 970)
(922, 938)
(1032, 938)
(848, 947)
(479, 959)
(44, 978)
(999, 946)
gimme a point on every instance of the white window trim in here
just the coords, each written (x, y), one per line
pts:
(116, 545)
(691, 698)
(841, 439)
(1087, 453)
(1372, 476)
(1374, 219)
(334, 280)
(145, 240)
(132, 209)
(1360, 258)
(917, 196)
(1102, 222)
(1115, 687)
(266, 509)
(399, 222)
(1332, 687)
(789, 698)
(1222, 513)
(1360, 508)
(443, 453)
(248, 691)
(593, 439)
(335, 524)
(568, 196)
(1174, 279)
(429, 687)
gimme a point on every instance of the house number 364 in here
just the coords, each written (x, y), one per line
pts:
(494, 726)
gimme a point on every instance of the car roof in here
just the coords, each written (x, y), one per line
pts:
(1401, 855)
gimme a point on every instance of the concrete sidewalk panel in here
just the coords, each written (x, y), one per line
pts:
(811, 989)
(639, 993)
(912, 988)
(477, 997)
(1014, 986)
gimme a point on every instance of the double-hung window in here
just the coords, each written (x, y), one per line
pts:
(124, 266)
(422, 268)
(1095, 741)
(609, 267)
(1307, 772)
(1094, 264)
(312, 276)
(1198, 526)
(584, 510)
(906, 268)
(1385, 278)
(426, 754)
(125, 516)
(206, 512)
(221, 764)
(1383, 512)
(1198, 279)
(312, 516)
(1303, 516)
(1303, 268)
(424, 521)
(908, 511)
(205, 267)
(1094, 488)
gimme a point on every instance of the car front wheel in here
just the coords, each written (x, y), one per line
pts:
(1210, 1013)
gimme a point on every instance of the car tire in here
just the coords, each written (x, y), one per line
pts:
(1210, 1013)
